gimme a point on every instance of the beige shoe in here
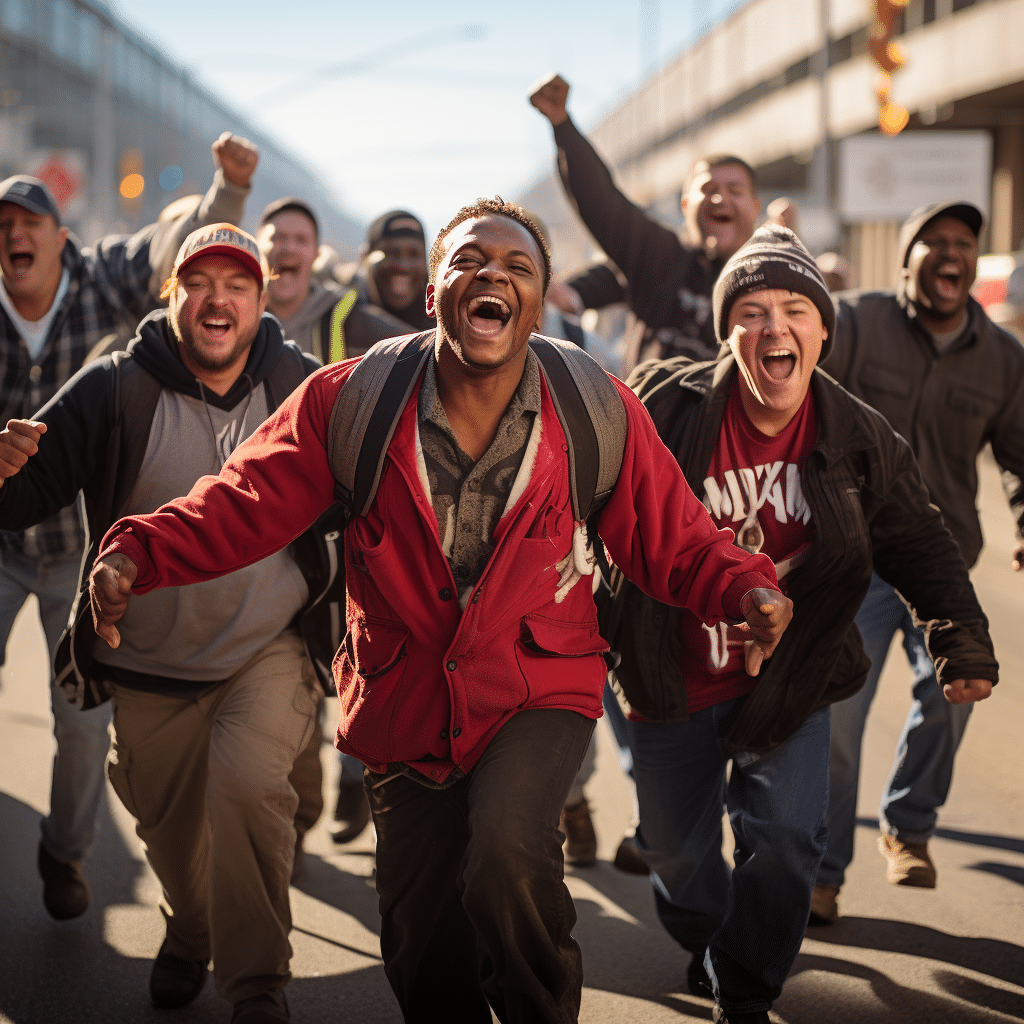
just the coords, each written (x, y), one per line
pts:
(580, 838)
(824, 905)
(909, 863)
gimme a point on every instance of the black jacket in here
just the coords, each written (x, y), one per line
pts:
(947, 405)
(669, 282)
(97, 432)
(869, 510)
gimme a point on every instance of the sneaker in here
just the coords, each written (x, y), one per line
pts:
(65, 892)
(268, 1007)
(352, 811)
(174, 982)
(580, 838)
(697, 979)
(719, 1016)
(909, 863)
(824, 905)
(630, 858)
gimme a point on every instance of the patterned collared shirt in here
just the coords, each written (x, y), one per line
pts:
(469, 498)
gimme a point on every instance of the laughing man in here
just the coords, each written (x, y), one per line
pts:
(805, 473)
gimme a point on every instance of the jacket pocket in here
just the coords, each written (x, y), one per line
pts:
(370, 669)
(971, 402)
(541, 650)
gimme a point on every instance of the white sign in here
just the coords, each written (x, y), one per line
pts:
(883, 178)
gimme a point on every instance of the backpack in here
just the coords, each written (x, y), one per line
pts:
(368, 407)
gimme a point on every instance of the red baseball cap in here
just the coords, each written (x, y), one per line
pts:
(227, 240)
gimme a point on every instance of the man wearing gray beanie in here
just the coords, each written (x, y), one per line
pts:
(805, 473)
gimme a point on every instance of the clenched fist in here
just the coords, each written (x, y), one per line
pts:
(767, 614)
(549, 96)
(110, 587)
(236, 157)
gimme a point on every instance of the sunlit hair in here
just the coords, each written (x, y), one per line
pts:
(709, 163)
(496, 207)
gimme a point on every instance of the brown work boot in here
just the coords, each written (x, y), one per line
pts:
(630, 858)
(65, 891)
(909, 863)
(580, 838)
(824, 905)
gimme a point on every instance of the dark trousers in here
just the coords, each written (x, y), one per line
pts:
(474, 909)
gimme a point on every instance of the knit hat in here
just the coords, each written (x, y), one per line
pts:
(394, 224)
(271, 210)
(30, 194)
(227, 240)
(773, 257)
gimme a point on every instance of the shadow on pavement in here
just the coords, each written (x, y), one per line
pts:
(1011, 844)
(352, 894)
(96, 968)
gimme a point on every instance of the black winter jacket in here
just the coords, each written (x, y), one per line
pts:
(669, 282)
(869, 509)
(97, 432)
(947, 405)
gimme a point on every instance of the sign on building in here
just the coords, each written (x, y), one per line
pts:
(886, 179)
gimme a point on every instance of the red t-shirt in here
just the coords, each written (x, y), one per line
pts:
(753, 488)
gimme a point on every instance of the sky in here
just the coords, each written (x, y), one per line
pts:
(400, 104)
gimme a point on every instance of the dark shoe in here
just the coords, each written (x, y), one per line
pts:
(908, 863)
(629, 858)
(269, 1007)
(174, 982)
(824, 905)
(580, 838)
(352, 812)
(697, 979)
(65, 892)
(719, 1016)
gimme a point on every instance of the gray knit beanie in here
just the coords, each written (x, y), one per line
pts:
(773, 257)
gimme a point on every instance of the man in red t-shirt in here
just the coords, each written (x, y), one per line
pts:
(803, 472)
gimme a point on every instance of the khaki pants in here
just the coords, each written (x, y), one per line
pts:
(207, 781)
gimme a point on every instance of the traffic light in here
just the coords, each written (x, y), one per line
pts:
(889, 56)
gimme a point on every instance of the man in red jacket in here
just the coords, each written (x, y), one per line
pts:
(472, 671)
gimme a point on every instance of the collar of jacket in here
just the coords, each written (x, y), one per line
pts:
(836, 439)
(976, 317)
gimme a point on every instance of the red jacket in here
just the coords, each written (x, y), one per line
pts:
(420, 681)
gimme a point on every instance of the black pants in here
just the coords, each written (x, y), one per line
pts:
(473, 904)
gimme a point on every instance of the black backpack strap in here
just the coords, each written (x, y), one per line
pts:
(366, 413)
(593, 417)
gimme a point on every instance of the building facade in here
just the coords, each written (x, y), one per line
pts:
(789, 86)
(117, 129)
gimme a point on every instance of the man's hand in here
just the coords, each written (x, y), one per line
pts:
(1018, 558)
(549, 96)
(236, 157)
(18, 443)
(110, 587)
(768, 613)
(967, 691)
(565, 298)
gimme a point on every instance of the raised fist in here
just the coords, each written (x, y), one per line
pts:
(549, 96)
(236, 157)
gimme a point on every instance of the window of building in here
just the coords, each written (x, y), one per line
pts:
(19, 17)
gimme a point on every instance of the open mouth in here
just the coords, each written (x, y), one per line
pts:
(21, 261)
(779, 363)
(216, 326)
(947, 283)
(401, 289)
(488, 314)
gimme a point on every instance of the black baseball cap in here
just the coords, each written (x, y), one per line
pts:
(31, 194)
(924, 215)
(290, 203)
(394, 224)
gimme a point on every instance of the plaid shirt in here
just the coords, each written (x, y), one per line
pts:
(113, 285)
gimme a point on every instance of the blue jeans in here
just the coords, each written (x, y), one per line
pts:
(751, 918)
(921, 774)
(83, 737)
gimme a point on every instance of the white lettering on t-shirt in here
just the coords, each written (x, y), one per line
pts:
(745, 490)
